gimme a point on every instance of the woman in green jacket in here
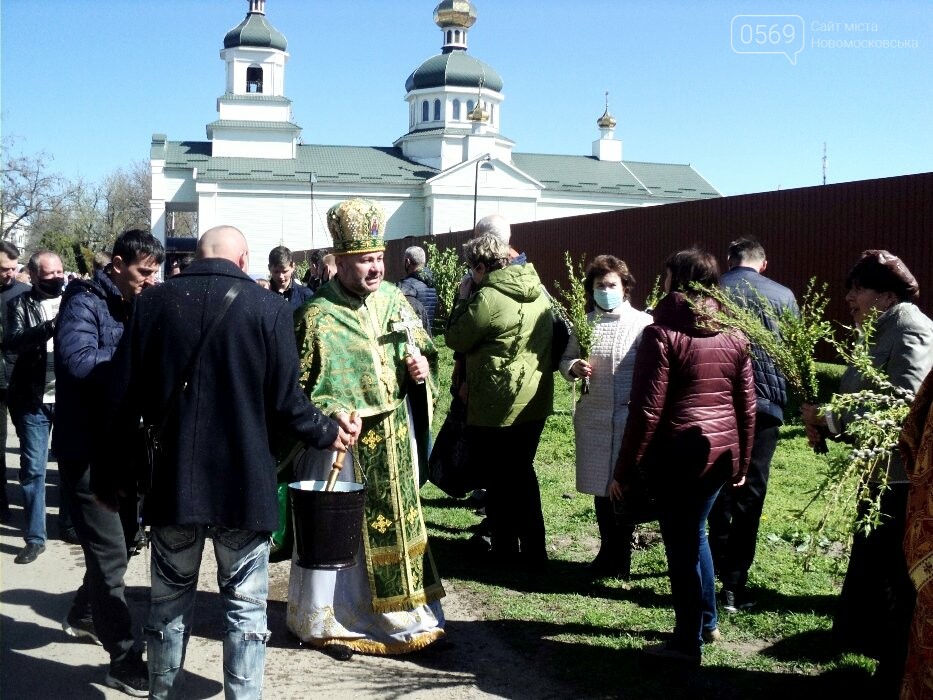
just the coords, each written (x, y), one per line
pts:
(502, 324)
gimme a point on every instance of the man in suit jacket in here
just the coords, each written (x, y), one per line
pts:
(734, 519)
(217, 473)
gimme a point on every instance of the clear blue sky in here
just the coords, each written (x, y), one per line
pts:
(90, 81)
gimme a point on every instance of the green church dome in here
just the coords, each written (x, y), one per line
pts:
(453, 69)
(256, 31)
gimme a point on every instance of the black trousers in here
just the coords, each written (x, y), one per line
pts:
(505, 457)
(4, 499)
(876, 604)
(102, 538)
(736, 515)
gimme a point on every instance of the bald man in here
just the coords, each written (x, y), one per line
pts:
(217, 474)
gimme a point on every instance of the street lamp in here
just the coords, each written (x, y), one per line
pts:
(484, 162)
(312, 178)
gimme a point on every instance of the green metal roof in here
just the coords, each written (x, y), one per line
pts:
(378, 165)
(251, 124)
(331, 164)
(453, 69)
(255, 97)
(588, 174)
(256, 31)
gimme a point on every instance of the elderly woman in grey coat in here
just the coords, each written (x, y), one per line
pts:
(600, 415)
(877, 599)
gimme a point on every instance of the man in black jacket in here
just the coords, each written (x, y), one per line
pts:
(418, 283)
(734, 519)
(90, 325)
(217, 474)
(10, 288)
(282, 277)
(31, 395)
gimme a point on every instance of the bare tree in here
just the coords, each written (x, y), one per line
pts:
(28, 189)
(126, 194)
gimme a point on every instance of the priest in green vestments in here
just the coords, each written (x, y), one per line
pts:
(363, 350)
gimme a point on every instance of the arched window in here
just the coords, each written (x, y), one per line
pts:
(470, 106)
(424, 111)
(456, 106)
(254, 79)
(437, 110)
(457, 36)
(411, 115)
(448, 36)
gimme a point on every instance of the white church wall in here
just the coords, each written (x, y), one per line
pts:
(237, 143)
(177, 186)
(260, 111)
(240, 59)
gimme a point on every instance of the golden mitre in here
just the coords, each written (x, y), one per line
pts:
(356, 225)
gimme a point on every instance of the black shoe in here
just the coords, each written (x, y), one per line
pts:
(69, 535)
(340, 652)
(735, 601)
(668, 652)
(480, 544)
(29, 553)
(129, 674)
(80, 624)
(605, 565)
(438, 646)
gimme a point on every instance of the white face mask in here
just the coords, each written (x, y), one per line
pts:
(607, 299)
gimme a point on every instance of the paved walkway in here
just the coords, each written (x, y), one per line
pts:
(39, 661)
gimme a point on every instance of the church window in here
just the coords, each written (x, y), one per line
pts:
(425, 115)
(470, 106)
(456, 107)
(457, 36)
(437, 110)
(448, 36)
(254, 79)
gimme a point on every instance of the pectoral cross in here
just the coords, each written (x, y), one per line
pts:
(408, 327)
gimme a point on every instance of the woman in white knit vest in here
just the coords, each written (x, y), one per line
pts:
(599, 419)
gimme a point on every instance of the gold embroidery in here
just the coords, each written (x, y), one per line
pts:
(371, 440)
(412, 516)
(381, 524)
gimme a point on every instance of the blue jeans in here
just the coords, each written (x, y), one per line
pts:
(683, 513)
(33, 428)
(243, 579)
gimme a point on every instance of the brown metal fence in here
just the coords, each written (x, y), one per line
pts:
(812, 232)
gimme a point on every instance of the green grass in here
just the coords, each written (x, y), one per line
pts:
(588, 633)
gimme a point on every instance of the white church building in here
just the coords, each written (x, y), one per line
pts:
(452, 166)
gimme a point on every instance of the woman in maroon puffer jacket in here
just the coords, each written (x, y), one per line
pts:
(690, 429)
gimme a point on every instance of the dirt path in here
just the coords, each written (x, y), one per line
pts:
(40, 661)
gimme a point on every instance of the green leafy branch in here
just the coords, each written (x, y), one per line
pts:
(448, 270)
(788, 338)
(873, 417)
(656, 294)
(573, 308)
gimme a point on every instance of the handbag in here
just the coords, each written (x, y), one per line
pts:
(638, 504)
(560, 337)
(283, 538)
(448, 464)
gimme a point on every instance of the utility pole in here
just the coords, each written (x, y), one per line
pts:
(825, 161)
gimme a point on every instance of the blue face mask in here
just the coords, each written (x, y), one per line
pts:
(607, 299)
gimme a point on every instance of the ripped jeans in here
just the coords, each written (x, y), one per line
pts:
(243, 579)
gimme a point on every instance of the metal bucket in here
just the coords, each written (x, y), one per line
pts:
(328, 524)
